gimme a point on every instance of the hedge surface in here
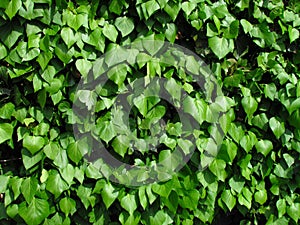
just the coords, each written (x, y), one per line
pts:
(252, 48)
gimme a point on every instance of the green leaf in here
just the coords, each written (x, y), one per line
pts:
(281, 207)
(217, 167)
(220, 46)
(236, 132)
(294, 211)
(33, 143)
(63, 53)
(55, 184)
(76, 150)
(246, 26)
(190, 200)
(12, 8)
(277, 127)
(88, 98)
(3, 52)
(121, 144)
(293, 34)
(261, 121)
(109, 195)
(3, 183)
(68, 36)
(172, 9)
(188, 7)
(149, 8)
(171, 32)
(270, 91)
(161, 217)
(250, 105)
(129, 203)
(264, 147)
(233, 30)
(125, 25)
(30, 160)
(261, 196)
(110, 32)
(106, 131)
(245, 198)
(142, 197)
(228, 199)
(196, 108)
(29, 188)
(248, 141)
(36, 212)
(6, 131)
(7, 110)
(76, 21)
(236, 184)
(68, 173)
(67, 205)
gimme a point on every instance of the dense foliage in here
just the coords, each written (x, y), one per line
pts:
(252, 47)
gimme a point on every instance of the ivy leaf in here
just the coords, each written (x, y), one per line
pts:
(109, 195)
(68, 36)
(6, 131)
(43, 59)
(110, 32)
(264, 147)
(250, 105)
(277, 127)
(149, 8)
(261, 196)
(281, 207)
(294, 211)
(125, 25)
(129, 203)
(12, 8)
(3, 183)
(228, 199)
(161, 217)
(29, 188)
(33, 143)
(293, 34)
(220, 46)
(106, 130)
(36, 212)
(3, 52)
(55, 184)
(67, 206)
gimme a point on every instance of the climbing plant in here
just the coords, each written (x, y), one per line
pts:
(251, 48)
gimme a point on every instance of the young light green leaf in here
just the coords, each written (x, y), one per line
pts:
(110, 32)
(129, 203)
(261, 196)
(228, 199)
(277, 127)
(125, 25)
(161, 217)
(6, 131)
(293, 34)
(12, 8)
(109, 195)
(264, 147)
(68, 36)
(67, 206)
(3, 183)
